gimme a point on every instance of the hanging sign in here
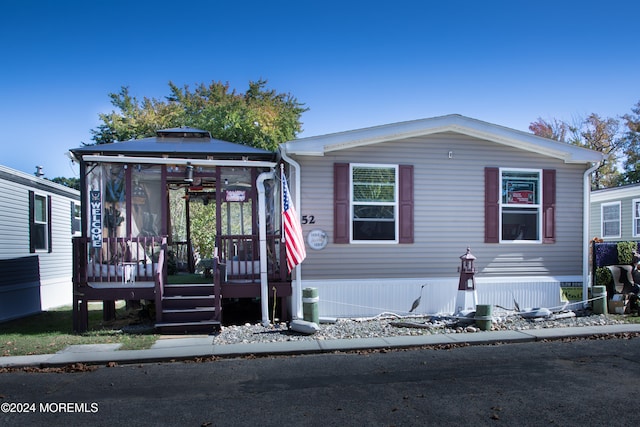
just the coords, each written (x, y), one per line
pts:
(523, 197)
(236, 196)
(95, 215)
(317, 239)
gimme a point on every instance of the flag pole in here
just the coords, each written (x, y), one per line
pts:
(283, 237)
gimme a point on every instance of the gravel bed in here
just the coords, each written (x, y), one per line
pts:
(392, 325)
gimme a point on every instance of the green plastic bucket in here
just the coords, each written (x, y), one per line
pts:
(483, 317)
(599, 295)
(310, 305)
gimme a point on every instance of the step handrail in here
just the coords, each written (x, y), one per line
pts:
(160, 276)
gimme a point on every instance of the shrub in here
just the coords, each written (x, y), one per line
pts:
(625, 252)
(603, 277)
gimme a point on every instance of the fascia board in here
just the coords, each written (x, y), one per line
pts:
(13, 174)
(175, 161)
(615, 193)
(529, 142)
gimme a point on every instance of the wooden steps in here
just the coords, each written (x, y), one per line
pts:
(188, 308)
(177, 328)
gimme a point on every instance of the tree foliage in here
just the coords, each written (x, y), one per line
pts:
(68, 182)
(631, 146)
(593, 132)
(260, 117)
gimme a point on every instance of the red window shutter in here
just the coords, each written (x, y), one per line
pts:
(491, 205)
(549, 206)
(341, 203)
(405, 207)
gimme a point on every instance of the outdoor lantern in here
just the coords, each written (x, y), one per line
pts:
(188, 173)
(467, 262)
(467, 297)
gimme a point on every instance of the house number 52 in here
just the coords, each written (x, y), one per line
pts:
(308, 219)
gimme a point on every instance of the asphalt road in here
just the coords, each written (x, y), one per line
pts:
(581, 382)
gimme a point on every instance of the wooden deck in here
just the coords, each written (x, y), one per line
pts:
(136, 269)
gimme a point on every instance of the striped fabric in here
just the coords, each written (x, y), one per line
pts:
(294, 241)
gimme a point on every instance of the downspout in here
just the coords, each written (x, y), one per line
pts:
(586, 208)
(296, 286)
(262, 234)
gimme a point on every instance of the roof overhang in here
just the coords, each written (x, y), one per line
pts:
(320, 145)
(98, 158)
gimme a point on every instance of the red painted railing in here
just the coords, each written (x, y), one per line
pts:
(240, 258)
(120, 259)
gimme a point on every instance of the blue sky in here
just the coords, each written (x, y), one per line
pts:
(353, 63)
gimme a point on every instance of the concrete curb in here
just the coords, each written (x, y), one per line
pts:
(202, 347)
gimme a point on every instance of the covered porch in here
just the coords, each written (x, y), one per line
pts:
(179, 202)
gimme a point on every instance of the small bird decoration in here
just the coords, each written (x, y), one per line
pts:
(416, 303)
(515, 303)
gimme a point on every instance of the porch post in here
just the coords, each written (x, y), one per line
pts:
(296, 281)
(262, 235)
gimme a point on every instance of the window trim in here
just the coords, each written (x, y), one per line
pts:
(76, 218)
(602, 206)
(33, 196)
(395, 203)
(538, 206)
(635, 217)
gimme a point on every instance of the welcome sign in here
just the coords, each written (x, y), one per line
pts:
(95, 223)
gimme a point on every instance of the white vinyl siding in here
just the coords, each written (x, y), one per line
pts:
(629, 198)
(55, 267)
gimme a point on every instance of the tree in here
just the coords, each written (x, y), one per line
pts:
(601, 135)
(68, 182)
(631, 164)
(554, 129)
(260, 117)
(594, 133)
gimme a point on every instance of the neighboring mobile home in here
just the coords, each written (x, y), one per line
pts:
(615, 213)
(389, 208)
(37, 221)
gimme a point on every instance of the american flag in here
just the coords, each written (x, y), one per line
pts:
(294, 241)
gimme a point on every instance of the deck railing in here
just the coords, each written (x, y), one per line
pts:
(160, 278)
(120, 259)
(129, 260)
(240, 258)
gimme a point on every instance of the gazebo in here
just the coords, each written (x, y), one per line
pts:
(131, 192)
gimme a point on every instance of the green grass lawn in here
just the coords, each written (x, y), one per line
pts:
(184, 278)
(52, 331)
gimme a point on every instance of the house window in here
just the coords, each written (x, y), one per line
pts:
(610, 220)
(520, 205)
(635, 204)
(374, 203)
(75, 218)
(39, 222)
(373, 211)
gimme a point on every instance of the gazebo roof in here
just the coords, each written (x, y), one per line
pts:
(177, 142)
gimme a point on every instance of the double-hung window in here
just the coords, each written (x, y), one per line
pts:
(520, 205)
(40, 222)
(374, 203)
(610, 220)
(76, 209)
(635, 204)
